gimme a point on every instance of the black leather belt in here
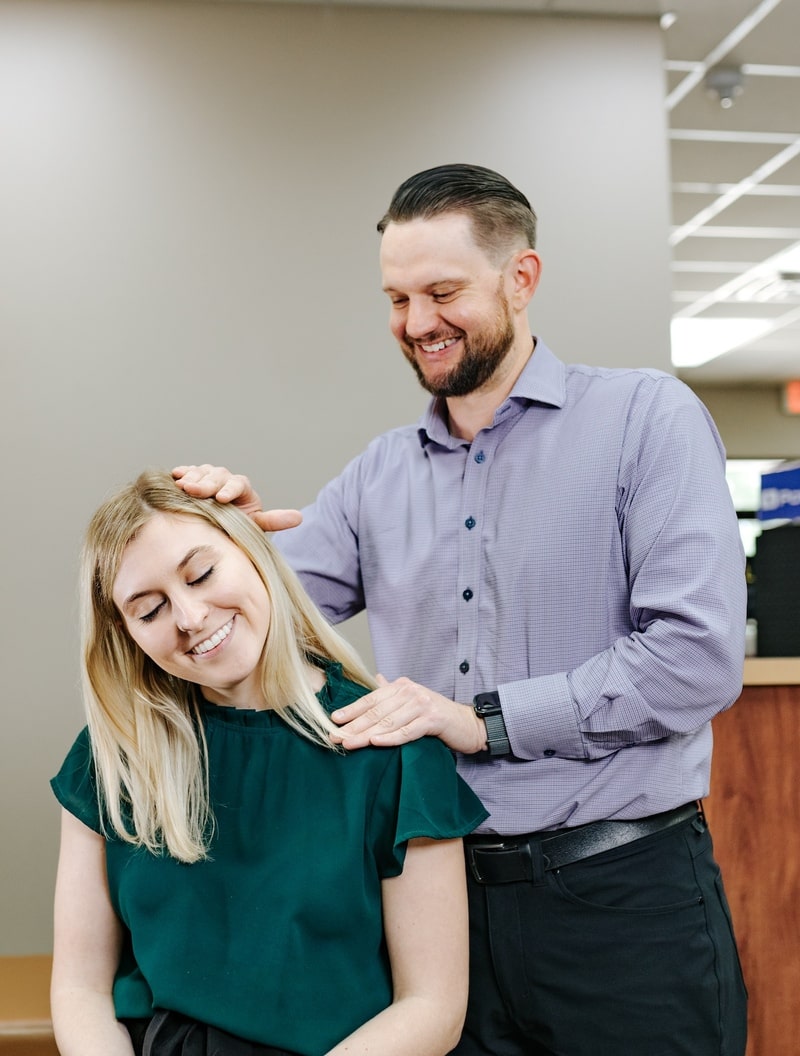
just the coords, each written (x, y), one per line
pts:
(503, 860)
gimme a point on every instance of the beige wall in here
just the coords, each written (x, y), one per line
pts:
(751, 420)
(188, 271)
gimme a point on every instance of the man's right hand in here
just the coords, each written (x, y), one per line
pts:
(206, 482)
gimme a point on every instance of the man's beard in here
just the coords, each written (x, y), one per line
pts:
(482, 355)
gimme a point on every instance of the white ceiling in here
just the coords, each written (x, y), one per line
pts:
(735, 171)
(736, 180)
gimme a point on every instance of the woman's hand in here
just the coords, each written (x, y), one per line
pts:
(206, 482)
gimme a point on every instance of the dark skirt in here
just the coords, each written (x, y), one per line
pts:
(171, 1034)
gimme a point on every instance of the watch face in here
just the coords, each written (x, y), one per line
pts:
(487, 705)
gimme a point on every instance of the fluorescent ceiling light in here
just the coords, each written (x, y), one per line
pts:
(696, 341)
(788, 260)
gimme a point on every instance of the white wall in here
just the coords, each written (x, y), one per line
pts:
(188, 271)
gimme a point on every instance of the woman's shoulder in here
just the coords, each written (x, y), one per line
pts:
(74, 786)
(338, 689)
(79, 756)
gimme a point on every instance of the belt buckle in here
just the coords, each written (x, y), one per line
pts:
(520, 846)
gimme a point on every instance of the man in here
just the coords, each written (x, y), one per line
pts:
(552, 572)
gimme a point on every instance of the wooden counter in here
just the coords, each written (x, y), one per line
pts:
(754, 815)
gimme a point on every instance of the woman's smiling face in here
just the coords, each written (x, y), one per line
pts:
(195, 604)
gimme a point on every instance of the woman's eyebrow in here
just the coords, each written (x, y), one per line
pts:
(181, 566)
(193, 553)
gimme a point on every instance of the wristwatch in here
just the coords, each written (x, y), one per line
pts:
(487, 706)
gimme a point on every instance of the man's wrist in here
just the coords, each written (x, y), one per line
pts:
(487, 707)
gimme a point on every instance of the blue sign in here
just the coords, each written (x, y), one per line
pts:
(780, 494)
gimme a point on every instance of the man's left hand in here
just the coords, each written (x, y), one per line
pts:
(401, 711)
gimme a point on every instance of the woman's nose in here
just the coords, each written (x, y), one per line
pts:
(190, 614)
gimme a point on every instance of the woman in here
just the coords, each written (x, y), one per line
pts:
(230, 880)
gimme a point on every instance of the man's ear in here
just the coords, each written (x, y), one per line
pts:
(526, 269)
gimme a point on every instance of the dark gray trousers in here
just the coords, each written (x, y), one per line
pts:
(628, 953)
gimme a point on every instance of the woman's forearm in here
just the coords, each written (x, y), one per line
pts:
(87, 937)
(84, 1024)
(412, 1026)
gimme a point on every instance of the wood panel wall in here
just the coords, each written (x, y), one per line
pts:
(754, 816)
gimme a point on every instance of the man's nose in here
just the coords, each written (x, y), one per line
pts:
(422, 318)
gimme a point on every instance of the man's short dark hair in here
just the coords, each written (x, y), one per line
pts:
(501, 215)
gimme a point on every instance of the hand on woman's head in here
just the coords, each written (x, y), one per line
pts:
(217, 482)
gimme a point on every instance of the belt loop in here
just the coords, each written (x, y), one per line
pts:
(538, 861)
(699, 823)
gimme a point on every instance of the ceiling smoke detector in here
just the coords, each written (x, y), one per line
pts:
(725, 82)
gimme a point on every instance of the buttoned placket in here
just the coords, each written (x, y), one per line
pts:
(471, 554)
(460, 475)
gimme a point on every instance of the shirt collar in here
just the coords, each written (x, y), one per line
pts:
(543, 380)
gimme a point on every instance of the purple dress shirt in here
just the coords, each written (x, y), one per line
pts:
(581, 556)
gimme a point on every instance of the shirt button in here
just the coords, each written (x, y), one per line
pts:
(549, 751)
(463, 667)
(480, 457)
(467, 595)
(470, 523)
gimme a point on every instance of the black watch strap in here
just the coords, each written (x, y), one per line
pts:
(488, 707)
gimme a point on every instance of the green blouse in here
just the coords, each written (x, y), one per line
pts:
(278, 936)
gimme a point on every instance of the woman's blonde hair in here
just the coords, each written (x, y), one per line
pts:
(145, 725)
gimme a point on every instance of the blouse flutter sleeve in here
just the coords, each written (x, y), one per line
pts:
(421, 795)
(74, 784)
